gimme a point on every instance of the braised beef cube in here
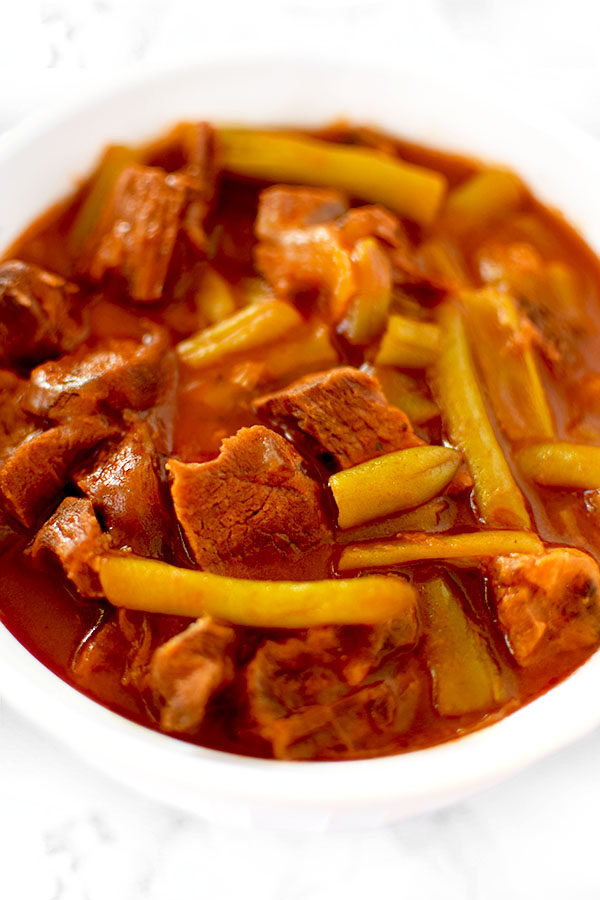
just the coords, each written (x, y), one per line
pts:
(72, 537)
(116, 654)
(39, 468)
(360, 724)
(36, 315)
(199, 176)
(14, 423)
(252, 511)
(308, 238)
(547, 604)
(287, 675)
(321, 665)
(125, 488)
(187, 670)
(118, 374)
(285, 207)
(343, 413)
(136, 235)
(300, 244)
(299, 706)
(367, 646)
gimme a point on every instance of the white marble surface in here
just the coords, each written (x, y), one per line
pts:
(68, 833)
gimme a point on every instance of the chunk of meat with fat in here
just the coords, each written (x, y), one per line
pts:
(125, 487)
(36, 315)
(343, 412)
(137, 232)
(187, 670)
(39, 468)
(547, 604)
(308, 238)
(117, 374)
(285, 207)
(331, 694)
(252, 511)
(72, 537)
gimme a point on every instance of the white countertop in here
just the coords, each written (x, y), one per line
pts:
(69, 833)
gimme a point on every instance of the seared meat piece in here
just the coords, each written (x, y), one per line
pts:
(357, 725)
(136, 235)
(36, 319)
(308, 239)
(198, 174)
(343, 412)
(14, 423)
(117, 653)
(306, 694)
(118, 374)
(287, 675)
(252, 511)
(125, 487)
(300, 243)
(187, 670)
(39, 468)
(284, 207)
(73, 538)
(547, 604)
(366, 646)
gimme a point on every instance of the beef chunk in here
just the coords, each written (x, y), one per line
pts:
(118, 374)
(136, 235)
(302, 701)
(308, 696)
(116, 654)
(73, 538)
(252, 511)
(357, 725)
(125, 487)
(547, 604)
(39, 468)
(36, 318)
(14, 423)
(283, 207)
(343, 413)
(308, 238)
(300, 245)
(187, 670)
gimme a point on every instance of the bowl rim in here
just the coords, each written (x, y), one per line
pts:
(412, 781)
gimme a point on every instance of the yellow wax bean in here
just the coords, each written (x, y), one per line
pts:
(457, 392)
(466, 677)
(367, 311)
(435, 515)
(409, 190)
(215, 297)
(474, 545)
(562, 464)
(392, 482)
(312, 349)
(246, 330)
(483, 197)
(403, 391)
(507, 364)
(156, 587)
(408, 343)
(115, 159)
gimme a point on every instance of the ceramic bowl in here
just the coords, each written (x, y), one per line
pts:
(39, 163)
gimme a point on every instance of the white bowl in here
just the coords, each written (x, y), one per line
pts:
(38, 164)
